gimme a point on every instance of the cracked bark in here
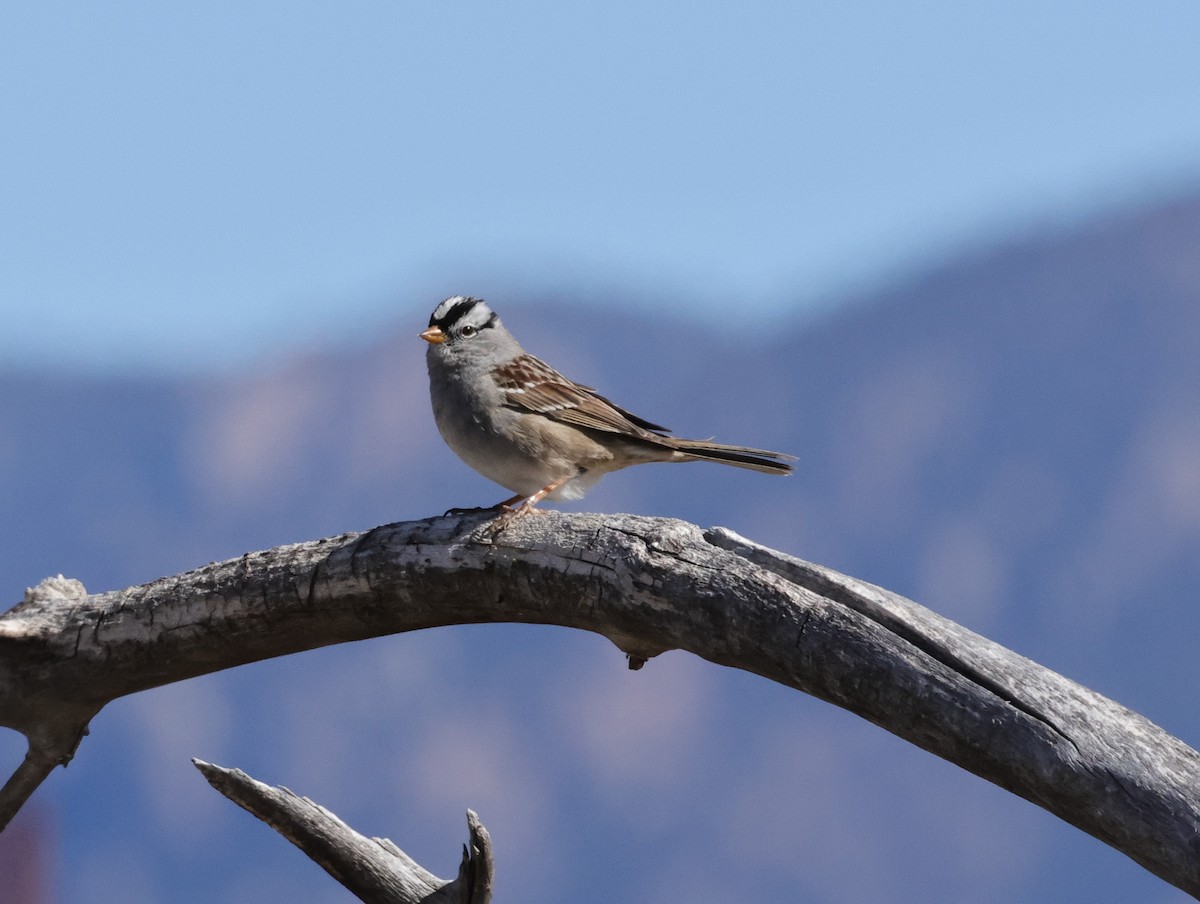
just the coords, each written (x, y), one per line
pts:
(648, 584)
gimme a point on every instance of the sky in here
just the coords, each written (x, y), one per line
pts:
(190, 187)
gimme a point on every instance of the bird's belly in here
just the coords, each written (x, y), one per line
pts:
(495, 457)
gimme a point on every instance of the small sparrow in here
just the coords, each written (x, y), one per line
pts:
(519, 422)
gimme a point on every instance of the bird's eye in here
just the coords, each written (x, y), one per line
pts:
(468, 330)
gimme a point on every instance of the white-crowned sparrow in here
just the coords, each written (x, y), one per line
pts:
(519, 422)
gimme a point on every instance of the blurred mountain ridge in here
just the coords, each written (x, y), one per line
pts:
(1011, 438)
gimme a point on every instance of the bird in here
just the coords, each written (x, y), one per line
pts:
(519, 422)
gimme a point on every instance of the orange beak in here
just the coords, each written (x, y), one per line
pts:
(434, 335)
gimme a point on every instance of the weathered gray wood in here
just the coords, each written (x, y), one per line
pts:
(649, 584)
(372, 869)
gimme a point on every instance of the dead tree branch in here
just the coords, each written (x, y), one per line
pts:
(373, 869)
(648, 584)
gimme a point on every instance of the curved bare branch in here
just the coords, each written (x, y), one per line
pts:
(649, 584)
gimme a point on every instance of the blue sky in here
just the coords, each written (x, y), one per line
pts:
(191, 186)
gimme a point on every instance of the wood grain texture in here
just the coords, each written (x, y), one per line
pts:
(374, 870)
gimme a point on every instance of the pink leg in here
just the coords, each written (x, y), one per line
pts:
(527, 506)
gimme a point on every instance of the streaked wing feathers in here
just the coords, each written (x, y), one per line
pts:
(535, 386)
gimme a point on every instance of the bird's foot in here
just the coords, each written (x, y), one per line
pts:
(510, 513)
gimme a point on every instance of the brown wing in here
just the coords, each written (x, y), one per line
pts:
(535, 386)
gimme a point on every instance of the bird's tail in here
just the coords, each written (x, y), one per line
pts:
(740, 456)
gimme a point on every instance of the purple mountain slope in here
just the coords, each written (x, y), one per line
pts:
(1013, 439)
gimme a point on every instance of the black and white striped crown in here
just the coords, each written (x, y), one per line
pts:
(461, 310)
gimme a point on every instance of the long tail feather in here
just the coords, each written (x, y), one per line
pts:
(740, 456)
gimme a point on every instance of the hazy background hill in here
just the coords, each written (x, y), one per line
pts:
(1012, 438)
